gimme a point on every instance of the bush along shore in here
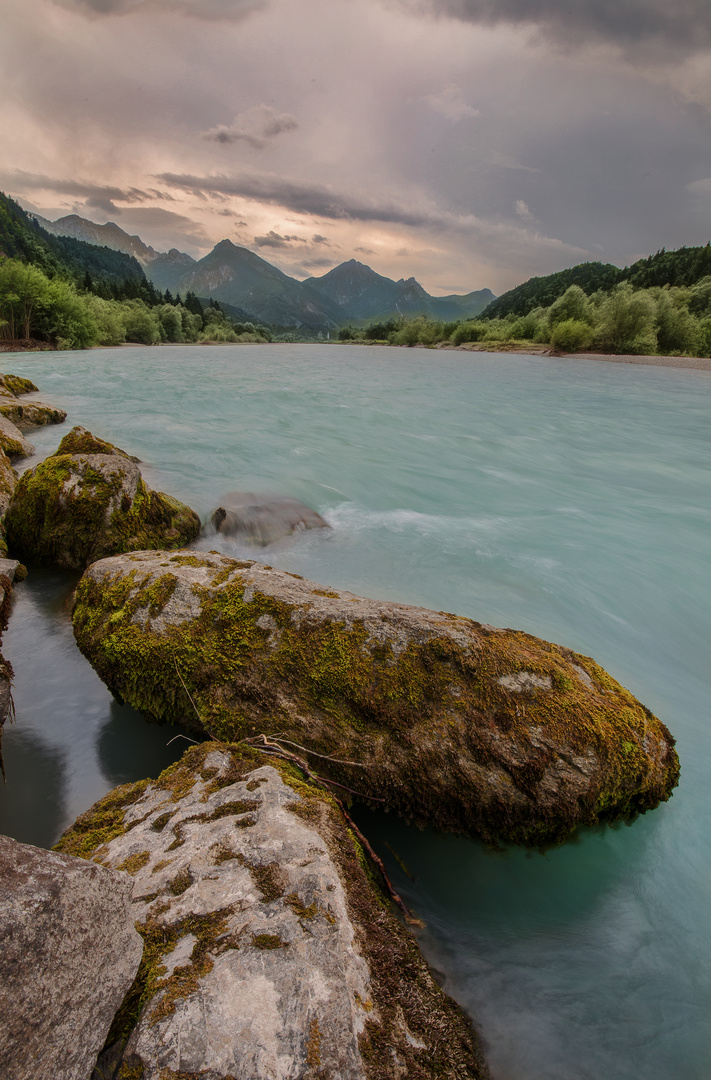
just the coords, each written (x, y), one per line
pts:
(270, 940)
(660, 320)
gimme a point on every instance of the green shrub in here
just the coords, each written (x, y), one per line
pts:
(571, 335)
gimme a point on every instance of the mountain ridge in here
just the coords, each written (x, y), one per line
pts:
(351, 293)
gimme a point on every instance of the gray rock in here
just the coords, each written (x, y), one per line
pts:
(260, 520)
(269, 952)
(8, 568)
(8, 480)
(451, 722)
(12, 441)
(68, 954)
(30, 414)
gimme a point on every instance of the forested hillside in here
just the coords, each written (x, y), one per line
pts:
(70, 294)
(22, 238)
(684, 267)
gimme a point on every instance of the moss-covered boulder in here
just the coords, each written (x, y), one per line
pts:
(81, 505)
(269, 950)
(17, 385)
(453, 723)
(30, 414)
(12, 441)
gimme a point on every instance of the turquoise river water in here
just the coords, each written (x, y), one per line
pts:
(571, 499)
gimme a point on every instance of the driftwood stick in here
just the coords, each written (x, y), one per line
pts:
(278, 751)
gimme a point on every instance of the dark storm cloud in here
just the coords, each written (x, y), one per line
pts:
(199, 9)
(96, 196)
(274, 240)
(302, 198)
(683, 25)
(255, 127)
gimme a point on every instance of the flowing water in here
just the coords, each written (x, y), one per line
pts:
(571, 499)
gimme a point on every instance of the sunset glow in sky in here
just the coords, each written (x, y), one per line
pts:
(470, 143)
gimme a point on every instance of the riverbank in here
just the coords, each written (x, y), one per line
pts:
(693, 363)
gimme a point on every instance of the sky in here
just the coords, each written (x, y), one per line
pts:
(468, 143)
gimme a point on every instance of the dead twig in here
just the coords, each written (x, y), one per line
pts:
(271, 746)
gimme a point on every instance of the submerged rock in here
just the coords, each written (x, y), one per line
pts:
(470, 728)
(88, 500)
(268, 950)
(262, 519)
(68, 954)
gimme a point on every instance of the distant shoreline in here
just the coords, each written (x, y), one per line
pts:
(689, 363)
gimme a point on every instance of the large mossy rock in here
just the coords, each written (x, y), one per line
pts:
(68, 955)
(470, 728)
(88, 500)
(268, 952)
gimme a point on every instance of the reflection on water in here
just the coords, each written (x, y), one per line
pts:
(70, 742)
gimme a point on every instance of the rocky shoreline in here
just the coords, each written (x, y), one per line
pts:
(269, 942)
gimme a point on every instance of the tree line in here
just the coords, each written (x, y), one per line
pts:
(73, 295)
(667, 320)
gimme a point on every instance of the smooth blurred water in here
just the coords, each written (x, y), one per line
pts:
(568, 498)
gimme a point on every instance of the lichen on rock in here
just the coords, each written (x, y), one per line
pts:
(473, 729)
(89, 500)
(269, 951)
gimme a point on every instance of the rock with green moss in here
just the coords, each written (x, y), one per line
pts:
(8, 480)
(30, 414)
(81, 505)
(25, 414)
(473, 729)
(16, 385)
(269, 950)
(12, 442)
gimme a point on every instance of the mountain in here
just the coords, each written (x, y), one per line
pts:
(109, 235)
(364, 296)
(238, 277)
(168, 268)
(350, 293)
(22, 237)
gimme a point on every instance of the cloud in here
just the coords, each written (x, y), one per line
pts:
(210, 10)
(522, 209)
(274, 240)
(255, 127)
(318, 239)
(451, 105)
(365, 251)
(97, 196)
(304, 198)
(682, 26)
